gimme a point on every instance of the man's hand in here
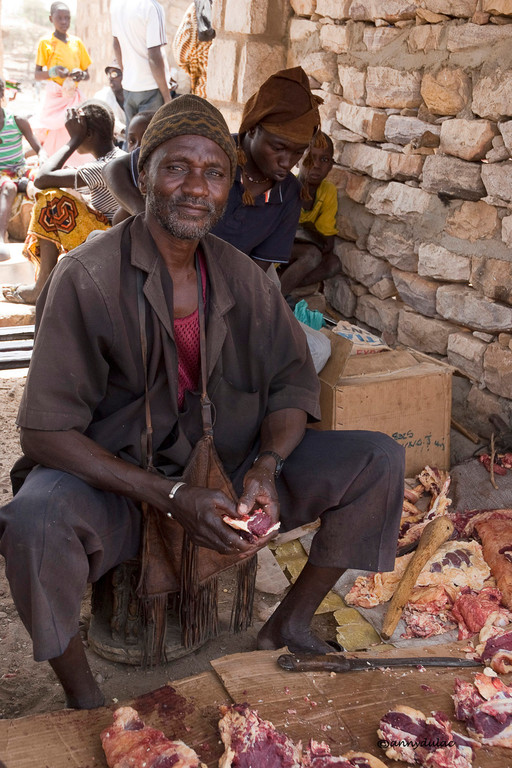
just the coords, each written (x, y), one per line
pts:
(76, 125)
(260, 492)
(200, 511)
(77, 75)
(58, 71)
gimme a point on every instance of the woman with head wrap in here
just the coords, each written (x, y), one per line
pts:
(278, 124)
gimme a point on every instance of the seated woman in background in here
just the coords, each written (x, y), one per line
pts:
(14, 171)
(60, 220)
(312, 258)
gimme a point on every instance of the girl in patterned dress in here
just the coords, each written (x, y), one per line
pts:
(61, 220)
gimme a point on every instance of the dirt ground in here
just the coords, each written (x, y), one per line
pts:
(27, 687)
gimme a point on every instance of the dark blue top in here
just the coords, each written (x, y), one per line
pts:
(265, 230)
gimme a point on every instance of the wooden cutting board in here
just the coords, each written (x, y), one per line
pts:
(343, 709)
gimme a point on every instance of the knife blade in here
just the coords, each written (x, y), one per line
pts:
(338, 663)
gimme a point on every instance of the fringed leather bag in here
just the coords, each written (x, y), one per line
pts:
(172, 565)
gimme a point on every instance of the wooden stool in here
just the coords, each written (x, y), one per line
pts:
(116, 631)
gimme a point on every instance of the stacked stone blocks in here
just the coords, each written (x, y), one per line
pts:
(418, 100)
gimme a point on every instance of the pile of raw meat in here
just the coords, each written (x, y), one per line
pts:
(466, 585)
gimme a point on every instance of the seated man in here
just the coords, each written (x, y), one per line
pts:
(113, 95)
(84, 410)
(61, 220)
(313, 258)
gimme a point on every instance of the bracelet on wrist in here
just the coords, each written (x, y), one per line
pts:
(172, 493)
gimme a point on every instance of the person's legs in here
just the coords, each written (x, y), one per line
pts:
(290, 624)
(139, 101)
(328, 266)
(28, 294)
(304, 258)
(59, 223)
(65, 534)
(354, 482)
(7, 195)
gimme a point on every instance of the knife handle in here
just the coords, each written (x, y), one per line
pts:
(434, 534)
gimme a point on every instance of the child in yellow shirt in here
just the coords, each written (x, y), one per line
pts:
(313, 259)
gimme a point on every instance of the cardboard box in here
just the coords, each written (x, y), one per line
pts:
(400, 392)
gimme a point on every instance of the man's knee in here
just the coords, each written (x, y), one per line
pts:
(308, 254)
(35, 508)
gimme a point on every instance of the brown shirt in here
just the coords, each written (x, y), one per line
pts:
(86, 371)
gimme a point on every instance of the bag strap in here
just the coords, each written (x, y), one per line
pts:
(206, 404)
(147, 433)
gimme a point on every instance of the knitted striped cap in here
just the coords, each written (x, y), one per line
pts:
(188, 115)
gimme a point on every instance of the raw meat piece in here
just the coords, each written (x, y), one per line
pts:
(369, 591)
(472, 609)
(433, 599)
(128, 743)
(496, 538)
(439, 506)
(251, 741)
(423, 624)
(413, 495)
(428, 611)
(433, 479)
(486, 708)
(496, 652)
(253, 526)
(424, 741)
(465, 521)
(456, 563)
(318, 755)
(502, 462)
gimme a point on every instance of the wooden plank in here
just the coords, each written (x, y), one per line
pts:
(185, 709)
(11, 345)
(348, 705)
(17, 332)
(291, 701)
(15, 359)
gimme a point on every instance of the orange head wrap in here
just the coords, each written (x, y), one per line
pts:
(284, 106)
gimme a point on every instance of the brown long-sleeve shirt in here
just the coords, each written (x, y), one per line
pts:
(86, 371)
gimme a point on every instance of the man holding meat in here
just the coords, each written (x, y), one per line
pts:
(78, 512)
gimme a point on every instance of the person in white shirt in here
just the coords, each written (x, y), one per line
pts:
(138, 29)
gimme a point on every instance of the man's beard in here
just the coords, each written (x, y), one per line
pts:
(176, 222)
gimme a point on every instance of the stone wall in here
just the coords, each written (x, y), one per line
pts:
(418, 100)
(93, 27)
(251, 44)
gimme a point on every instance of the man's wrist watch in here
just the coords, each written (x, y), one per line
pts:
(279, 461)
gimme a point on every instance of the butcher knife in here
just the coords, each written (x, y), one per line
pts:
(333, 662)
(435, 533)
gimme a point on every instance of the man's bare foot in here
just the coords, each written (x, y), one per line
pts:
(20, 294)
(303, 640)
(87, 702)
